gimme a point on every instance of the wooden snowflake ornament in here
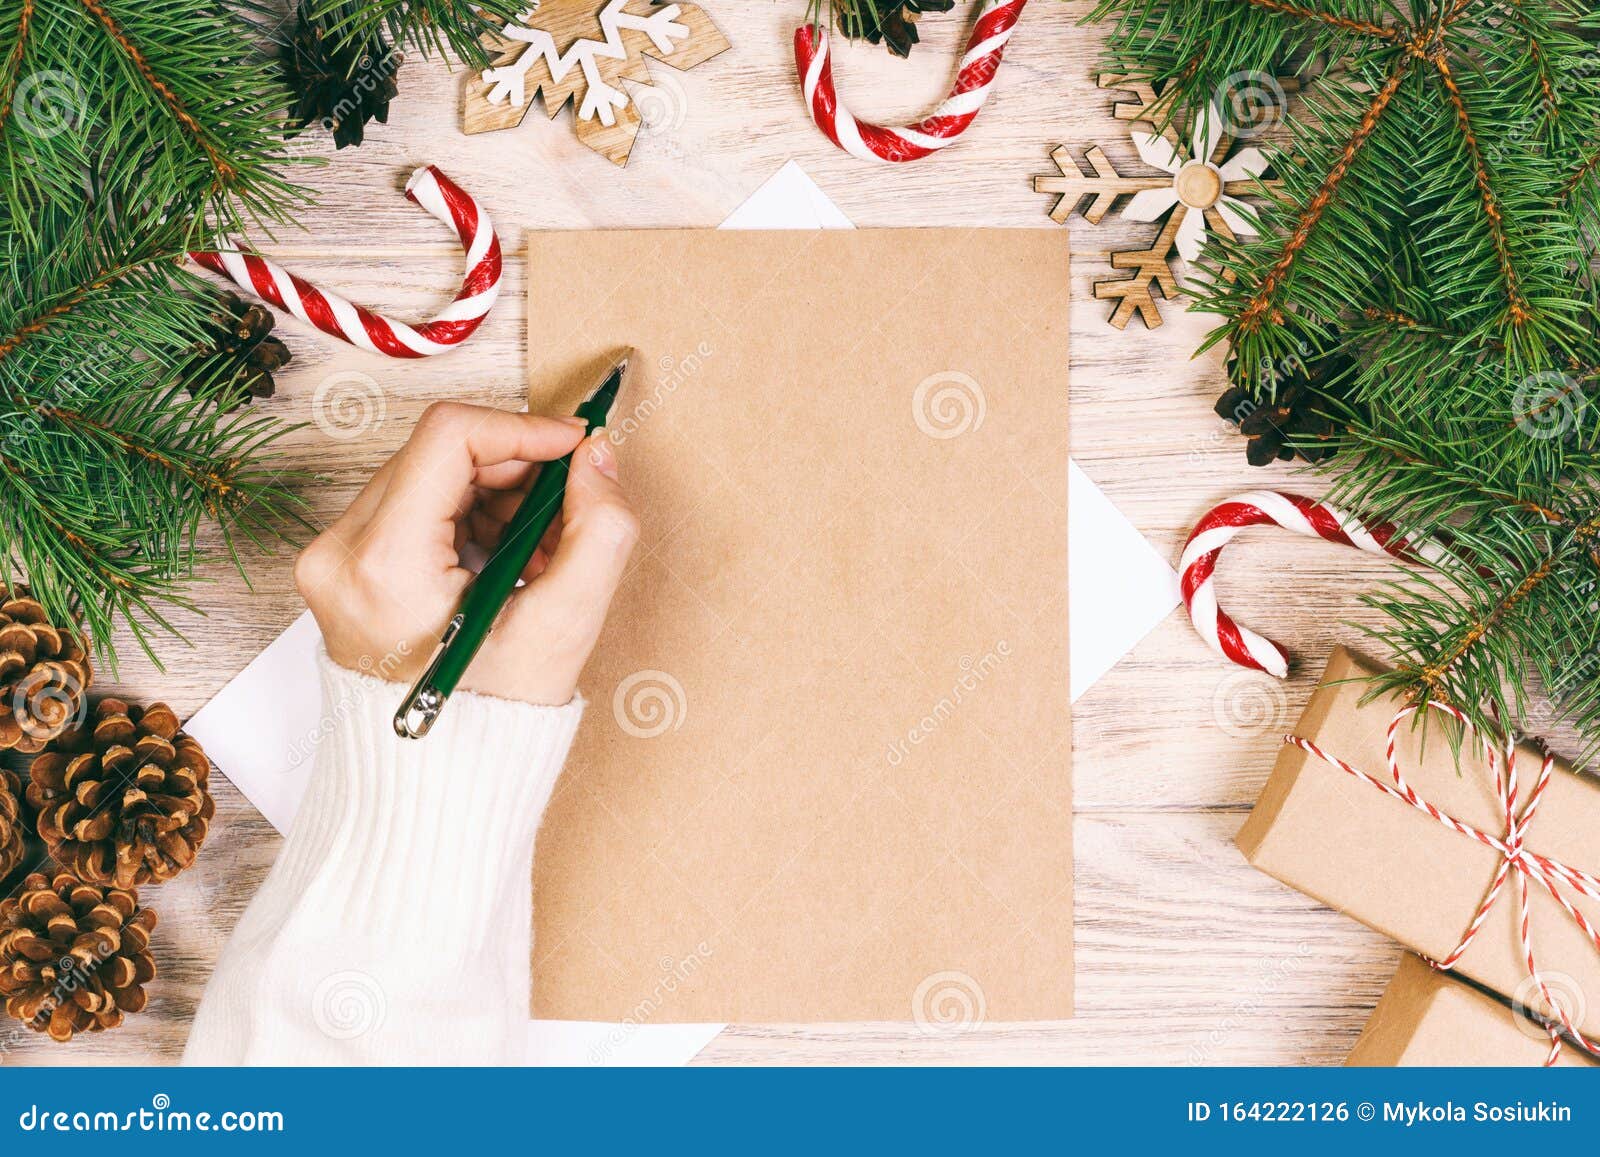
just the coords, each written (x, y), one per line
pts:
(1195, 189)
(582, 50)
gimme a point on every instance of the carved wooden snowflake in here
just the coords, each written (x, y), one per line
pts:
(582, 50)
(1195, 189)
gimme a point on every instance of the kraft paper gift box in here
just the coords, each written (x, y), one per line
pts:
(1400, 871)
(1428, 1017)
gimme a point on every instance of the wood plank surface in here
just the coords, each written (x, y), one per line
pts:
(1184, 954)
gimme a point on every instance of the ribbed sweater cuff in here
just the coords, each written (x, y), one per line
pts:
(434, 828)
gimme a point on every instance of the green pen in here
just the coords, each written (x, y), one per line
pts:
(488, 593)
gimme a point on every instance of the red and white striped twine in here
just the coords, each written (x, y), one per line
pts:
(1518, 862)
(871, 142)
(1304, 516)
(359, 326)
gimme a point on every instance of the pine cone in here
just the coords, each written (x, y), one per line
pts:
(340, 86)
(73, 957)
(123, 800)
(11, 823)
(896, 26)
(44, 674)
(1295, 422)
(241, 331)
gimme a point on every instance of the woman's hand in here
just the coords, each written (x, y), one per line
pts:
(385, 578)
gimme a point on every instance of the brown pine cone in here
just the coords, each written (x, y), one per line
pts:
(11, 821)
(123, 800)
(889, 22)
(73, 957)
(1283, 409)
(338, 81)
(241, 331)
(44, 674)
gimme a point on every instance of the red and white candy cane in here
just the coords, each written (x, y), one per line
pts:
(1305, 516)
(359, 326)
(1519, 863)
(871, 142)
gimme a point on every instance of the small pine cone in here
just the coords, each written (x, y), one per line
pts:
(1283, 410)
(11, 821)
(73, 957)
(241, 331)
(123, 800)
(339, 82)
(44, 674)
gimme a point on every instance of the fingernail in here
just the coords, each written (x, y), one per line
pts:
(574, 420)
(601, 454)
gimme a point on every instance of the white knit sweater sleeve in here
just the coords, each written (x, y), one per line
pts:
(395, 927)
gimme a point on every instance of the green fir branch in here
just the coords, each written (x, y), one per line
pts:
(429, 26)
(135, 129)
(1436, 208)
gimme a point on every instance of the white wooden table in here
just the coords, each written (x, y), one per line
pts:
(1184, 954)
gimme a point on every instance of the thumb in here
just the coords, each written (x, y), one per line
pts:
(598, 533)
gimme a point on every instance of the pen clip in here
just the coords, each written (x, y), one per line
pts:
(423, 702)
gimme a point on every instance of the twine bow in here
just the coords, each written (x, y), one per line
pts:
(1519, 863)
